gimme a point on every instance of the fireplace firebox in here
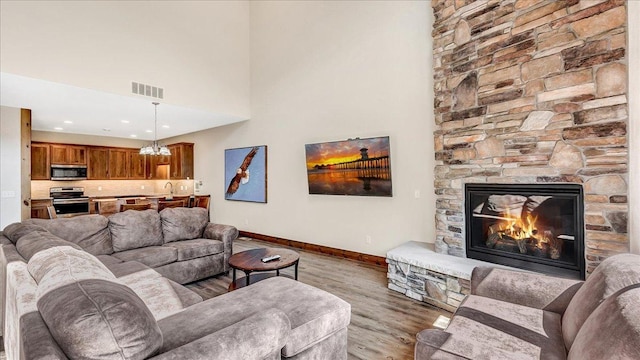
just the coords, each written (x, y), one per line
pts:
(536, 227)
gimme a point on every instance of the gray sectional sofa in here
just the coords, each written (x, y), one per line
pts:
(91, 287)
(518, 315)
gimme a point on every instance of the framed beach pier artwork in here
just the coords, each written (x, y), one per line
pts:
(245, 174)
(351, 167)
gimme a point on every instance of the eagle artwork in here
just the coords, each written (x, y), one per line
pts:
(242, 173)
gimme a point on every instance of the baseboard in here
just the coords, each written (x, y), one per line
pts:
(347, 254)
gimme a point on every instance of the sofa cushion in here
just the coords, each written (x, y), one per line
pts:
(155, 291)
(613, 329)
(191, 249)
(183, 223)
(108, 260)
(88, 314)
(494, 329)
(15, 231)
(135, 229)
(90, 232)
(30, 244)
(152, 256)
(314, 314)
(613, 274)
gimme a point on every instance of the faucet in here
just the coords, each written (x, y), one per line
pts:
(170, 189)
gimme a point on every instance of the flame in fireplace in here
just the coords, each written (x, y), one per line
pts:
(516, 227)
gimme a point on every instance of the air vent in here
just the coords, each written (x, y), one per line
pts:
(147, 90)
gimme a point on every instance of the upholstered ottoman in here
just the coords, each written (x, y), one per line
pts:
(318, 319)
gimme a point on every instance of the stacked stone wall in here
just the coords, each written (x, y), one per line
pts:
(532, 91)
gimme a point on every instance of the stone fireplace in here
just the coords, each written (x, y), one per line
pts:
(532, 92)
(530, 226)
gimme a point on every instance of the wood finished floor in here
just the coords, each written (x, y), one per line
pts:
(384, 323)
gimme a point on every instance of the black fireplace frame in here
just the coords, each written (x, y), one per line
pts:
(525, 262)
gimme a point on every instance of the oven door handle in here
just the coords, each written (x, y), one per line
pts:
(70, 201)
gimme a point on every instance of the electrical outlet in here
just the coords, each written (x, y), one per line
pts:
(246, 221)
(416, 194)
(367, 239)
(142, 187)
(99, 188)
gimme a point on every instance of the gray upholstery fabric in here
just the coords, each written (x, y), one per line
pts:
(152, 256)
(37, 342)
(100, 319)
(183, 223)
(334, 347)
(34, 242)
(225, 233)
(611, 275)
(613, 329)
(494, 329)
(187, 271)
(314, 314)
(191, 249)
(15, 231)
(135, 229)
(525, 288)
(108, 260)
(90, 232)
(256, 337)
(187, 296)
(126, 268)
(155, 291)
(429, 345)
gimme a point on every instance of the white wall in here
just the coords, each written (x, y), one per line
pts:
(10, 209)
(198, 51)
(633, 10)
(323, 71)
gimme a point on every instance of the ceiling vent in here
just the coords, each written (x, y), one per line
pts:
(147, 90)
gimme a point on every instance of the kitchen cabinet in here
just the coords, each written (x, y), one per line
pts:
(181, 162)
(39, 208)
(118, 164)
(137, 164)
(40, 165)
(68, 154)
(98, 163)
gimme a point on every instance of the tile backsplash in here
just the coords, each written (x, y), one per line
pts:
(40, 188)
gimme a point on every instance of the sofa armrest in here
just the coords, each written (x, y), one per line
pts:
(428, 346)
(225, 233)
(260, 336)
(524, 288)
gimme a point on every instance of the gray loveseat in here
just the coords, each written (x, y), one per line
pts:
(63, 302)
(518, 315)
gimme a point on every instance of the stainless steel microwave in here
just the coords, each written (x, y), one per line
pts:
(68, 172)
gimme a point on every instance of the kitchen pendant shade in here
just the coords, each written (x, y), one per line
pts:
(154, 148)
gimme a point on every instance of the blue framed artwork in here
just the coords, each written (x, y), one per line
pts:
(245, 174)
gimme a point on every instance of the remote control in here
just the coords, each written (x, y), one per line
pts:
(270, 258)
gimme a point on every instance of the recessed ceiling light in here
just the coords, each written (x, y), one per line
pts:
(165, 126)
(58, 128)
(133, 135)
(124, 121)
(68, 122)
(149, 131)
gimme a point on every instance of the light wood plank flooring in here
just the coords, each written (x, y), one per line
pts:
(384, 323)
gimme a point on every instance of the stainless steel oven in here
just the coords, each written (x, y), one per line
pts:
(69, 200)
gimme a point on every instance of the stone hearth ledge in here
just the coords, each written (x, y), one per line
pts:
(417, 271)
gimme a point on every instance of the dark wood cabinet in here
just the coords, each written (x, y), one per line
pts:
(181, 162)
(137, 165)
(113, 163)
(40, 165)
(118, 164)
(98, 163)
(39, 208)
(68, 154)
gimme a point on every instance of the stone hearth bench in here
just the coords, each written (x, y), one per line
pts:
(420, 273)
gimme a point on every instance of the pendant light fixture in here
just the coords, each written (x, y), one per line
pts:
(155, 149)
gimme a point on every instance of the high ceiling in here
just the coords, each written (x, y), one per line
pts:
(70, 109)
